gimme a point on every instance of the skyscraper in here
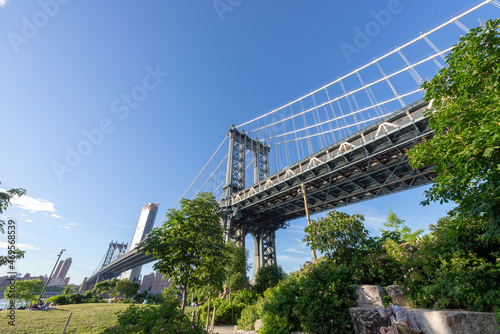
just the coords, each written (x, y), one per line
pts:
(160, 282)
(144, 226)
(61, 271)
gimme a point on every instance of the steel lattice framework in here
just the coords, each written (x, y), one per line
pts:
(370, 163)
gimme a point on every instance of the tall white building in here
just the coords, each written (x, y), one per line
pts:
(144, 226)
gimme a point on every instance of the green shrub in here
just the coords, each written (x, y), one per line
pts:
(248, 317)
(59, 299)
(166, 318)
(228, 311)
(315, 299)
(452, 267)
(267, 277)
(325, 294)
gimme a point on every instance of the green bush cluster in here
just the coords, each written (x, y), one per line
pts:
(267, 277)
(315, 299)
(228, 311)
(452, 267)
(75, 298)
(165, 318)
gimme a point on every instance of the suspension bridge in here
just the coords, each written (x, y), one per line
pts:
(343, 143)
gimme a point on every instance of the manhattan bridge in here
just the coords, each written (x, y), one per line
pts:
(343, 143)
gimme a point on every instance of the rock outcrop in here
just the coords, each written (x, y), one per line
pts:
(370, 296)
(367, 320)
(395, 292)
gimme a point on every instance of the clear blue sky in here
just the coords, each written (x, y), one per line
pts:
(67, 67)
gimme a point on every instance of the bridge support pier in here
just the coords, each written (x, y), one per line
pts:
(264, 238)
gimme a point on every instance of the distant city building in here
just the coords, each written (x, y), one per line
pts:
(59, 277)
(154, 282)
(144, 226)
(160, 283)
(147, 282)
(4, 280)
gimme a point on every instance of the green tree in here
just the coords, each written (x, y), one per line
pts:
(400, 231)
(27, 290)
(69, 289)
(125, 288)
(5, 197)
(236, 267)
(268, 277)
(339, 236)
(104, 288)
(465, 117)
(190, 245)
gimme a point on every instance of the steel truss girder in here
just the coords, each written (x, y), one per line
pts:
(377, 167)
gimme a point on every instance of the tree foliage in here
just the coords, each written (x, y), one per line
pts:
(125, 288)
(466, 119)
(27, 290)
(397, 230)
(236, 266)
(104, 288)
(68, 289)
(339, 236)
(268, 277)
(5, 197)
(190, 246)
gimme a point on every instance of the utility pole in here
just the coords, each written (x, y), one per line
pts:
(308, 218)
(50, 277)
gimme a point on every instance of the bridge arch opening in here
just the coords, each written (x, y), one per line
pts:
(249, 245)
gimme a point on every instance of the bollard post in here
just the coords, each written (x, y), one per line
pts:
(208, 314)
(213, 320)
(67, 322)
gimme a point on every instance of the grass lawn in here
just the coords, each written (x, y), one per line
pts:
(86, 318)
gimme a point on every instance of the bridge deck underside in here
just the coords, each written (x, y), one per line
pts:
(373, 163)
(125, 262)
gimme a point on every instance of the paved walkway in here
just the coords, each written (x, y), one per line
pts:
(227, 329)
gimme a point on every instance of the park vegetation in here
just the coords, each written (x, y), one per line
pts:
(13, 253)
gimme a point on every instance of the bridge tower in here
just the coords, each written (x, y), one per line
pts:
(238, 227)
(239, 143)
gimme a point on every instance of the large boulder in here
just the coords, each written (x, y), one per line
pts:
(367, 320)
(455, 322)
(369, 296)
(396, 293)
